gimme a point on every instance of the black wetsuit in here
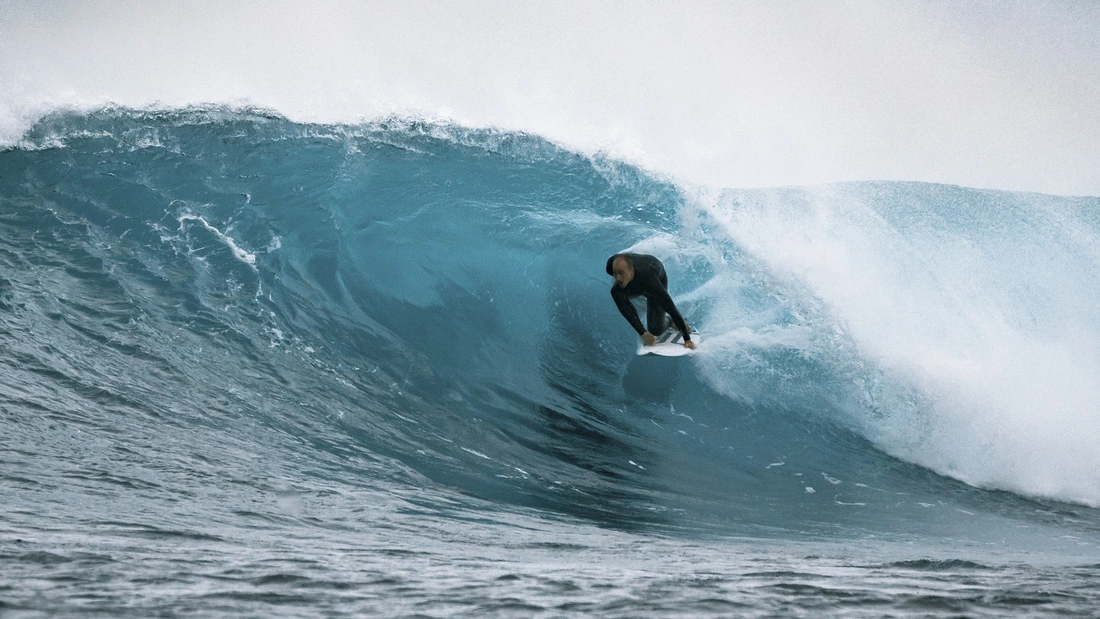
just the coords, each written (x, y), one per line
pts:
(651, 282)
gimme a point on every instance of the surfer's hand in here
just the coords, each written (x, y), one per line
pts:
(649, 339)
(689, 344)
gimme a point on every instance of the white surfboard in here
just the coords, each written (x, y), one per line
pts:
(670, 344)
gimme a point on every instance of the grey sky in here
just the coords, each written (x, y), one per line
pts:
(1003, 95)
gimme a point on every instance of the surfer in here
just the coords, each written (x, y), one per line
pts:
(644, 275)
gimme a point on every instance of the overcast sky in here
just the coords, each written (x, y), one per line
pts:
(729, 94)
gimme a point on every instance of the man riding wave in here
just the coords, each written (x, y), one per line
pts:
(644, 275)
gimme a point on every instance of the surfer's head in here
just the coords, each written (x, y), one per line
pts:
(621, 267)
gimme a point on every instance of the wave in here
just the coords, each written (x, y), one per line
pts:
(422, 307)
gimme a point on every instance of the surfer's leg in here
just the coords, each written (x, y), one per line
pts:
(657, 321)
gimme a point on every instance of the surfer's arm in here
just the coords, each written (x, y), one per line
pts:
(626, 308)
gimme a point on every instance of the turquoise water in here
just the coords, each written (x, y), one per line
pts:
(254, 367)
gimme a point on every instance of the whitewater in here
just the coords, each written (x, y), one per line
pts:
(259, 367)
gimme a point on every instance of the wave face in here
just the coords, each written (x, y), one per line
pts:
(422, 309)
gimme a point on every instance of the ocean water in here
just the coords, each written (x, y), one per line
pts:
(257, 368)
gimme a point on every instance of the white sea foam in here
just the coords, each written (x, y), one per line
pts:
(242, 255)
(974, 317)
